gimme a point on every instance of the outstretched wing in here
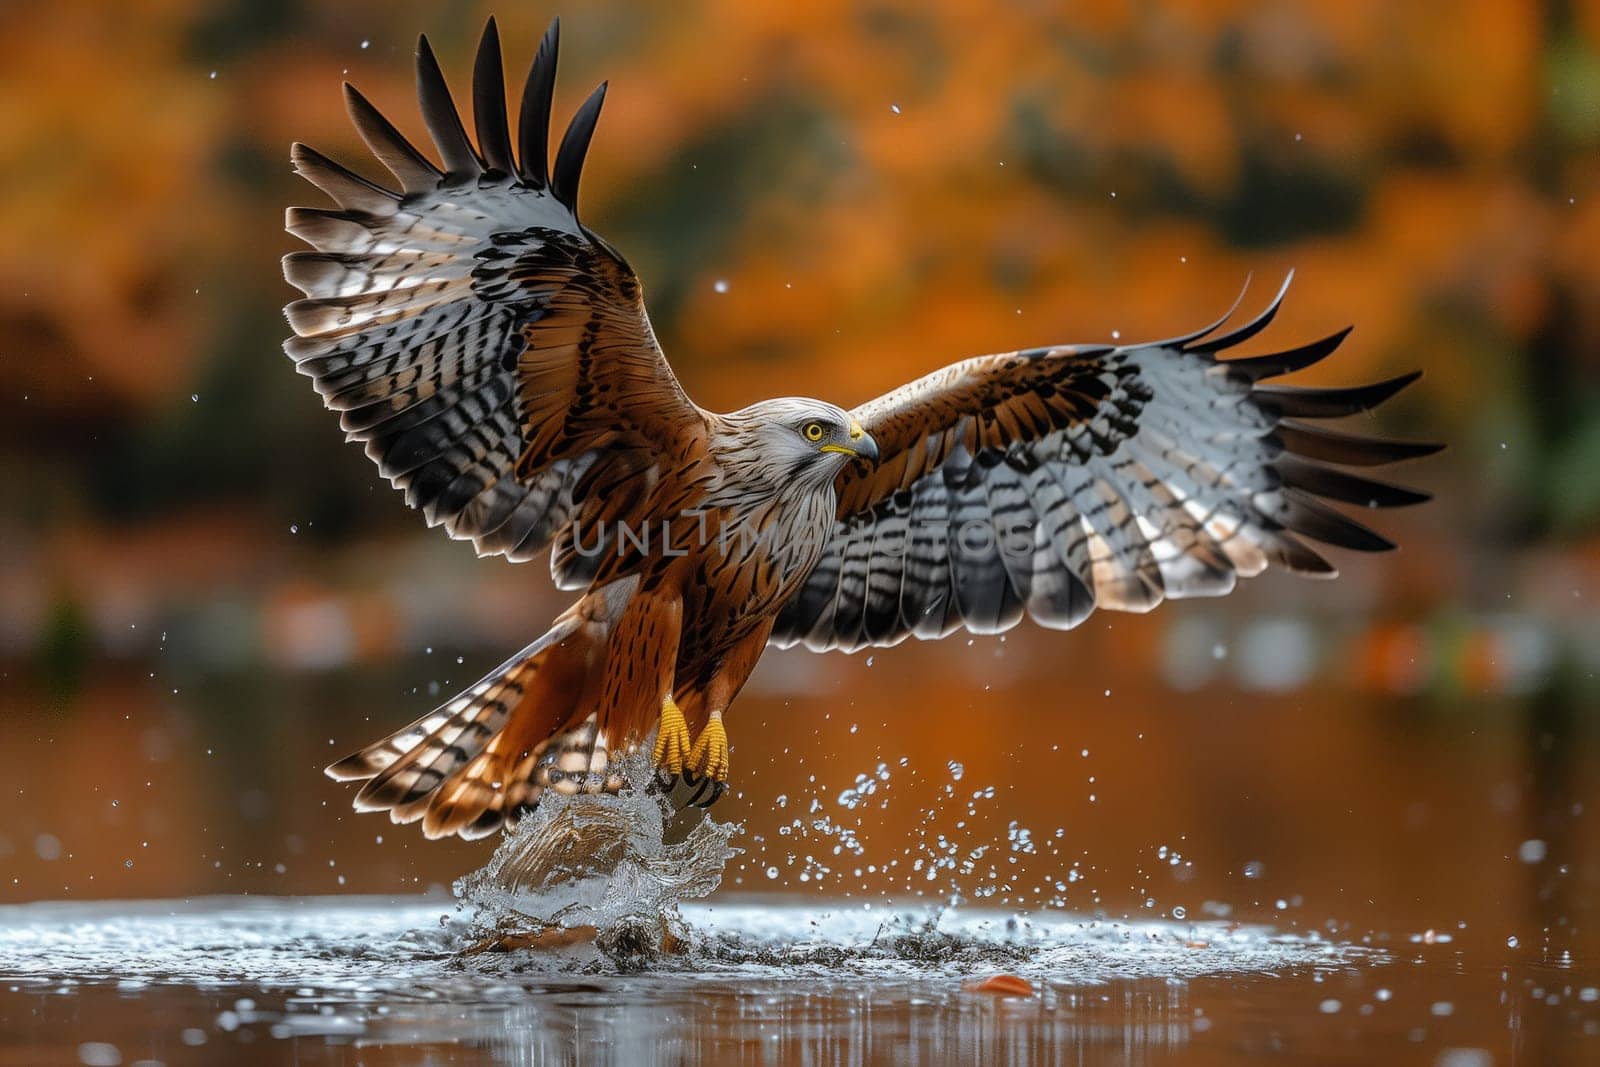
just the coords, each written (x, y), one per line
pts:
(493, 354)
(1053, 481)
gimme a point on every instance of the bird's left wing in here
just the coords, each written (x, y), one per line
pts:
(491, 352)
(1052, 481)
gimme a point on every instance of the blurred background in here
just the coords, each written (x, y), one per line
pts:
(205, 595)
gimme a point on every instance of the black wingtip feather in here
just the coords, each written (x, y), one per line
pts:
(1249, 329)
(415, 171)
(1276, 364)
(440, 114)
(1340, 485)
(1319, 522)
(533, 122)
(1351, 450)
(1290, 552)
(574, 147)
(1292, 402)
(489, 103)
(348, 188)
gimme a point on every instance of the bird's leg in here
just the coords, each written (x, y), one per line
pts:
(709, 759)
(672, 740)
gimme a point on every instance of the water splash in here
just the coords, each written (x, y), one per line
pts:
(611, 868)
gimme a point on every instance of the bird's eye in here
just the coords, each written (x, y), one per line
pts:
(813, 431)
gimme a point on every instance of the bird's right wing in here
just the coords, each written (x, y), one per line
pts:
(492, 353)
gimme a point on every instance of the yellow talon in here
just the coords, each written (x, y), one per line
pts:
(672, 738)
(710, 755)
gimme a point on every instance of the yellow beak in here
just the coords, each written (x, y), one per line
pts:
(861, 445)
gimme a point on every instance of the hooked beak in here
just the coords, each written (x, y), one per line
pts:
(861, 445)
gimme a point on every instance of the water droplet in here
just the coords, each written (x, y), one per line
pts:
(720, 285)
(99, 1054)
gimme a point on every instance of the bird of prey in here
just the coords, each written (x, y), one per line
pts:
(493, 355)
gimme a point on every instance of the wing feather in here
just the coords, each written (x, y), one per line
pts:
(1105, 477)
(442, 119)
(533, 121)
(489, 351)
(410, 167)
(574, 148)
(489, 103)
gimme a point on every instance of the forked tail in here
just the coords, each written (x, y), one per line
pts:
(475, 762)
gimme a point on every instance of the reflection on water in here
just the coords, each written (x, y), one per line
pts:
(834, 1022)
(345, 980)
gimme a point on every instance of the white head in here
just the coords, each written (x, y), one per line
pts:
(795, 439)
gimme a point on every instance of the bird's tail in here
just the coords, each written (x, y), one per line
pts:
(472, 764)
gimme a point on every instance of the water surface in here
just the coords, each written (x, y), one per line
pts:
(368, 980)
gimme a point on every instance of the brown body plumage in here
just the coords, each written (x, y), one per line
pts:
(495, 358)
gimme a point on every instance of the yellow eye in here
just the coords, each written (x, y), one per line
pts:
(813, 431)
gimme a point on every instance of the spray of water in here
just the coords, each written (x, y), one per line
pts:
(607, 868)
